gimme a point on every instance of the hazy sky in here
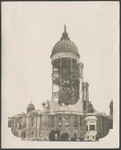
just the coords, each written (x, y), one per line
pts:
(29, 32)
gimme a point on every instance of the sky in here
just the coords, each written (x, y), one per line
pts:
(29, 32)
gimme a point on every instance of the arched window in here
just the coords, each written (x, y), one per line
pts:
(60, 118)
(59, 121)
(52, 121)
(19, 125)
(80, 122)
(75, 121)
(67, 121)
(31, 133)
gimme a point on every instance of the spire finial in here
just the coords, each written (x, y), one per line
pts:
(64, 27)
(65, 34)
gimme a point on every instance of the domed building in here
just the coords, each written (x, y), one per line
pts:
(66, 72)
(30, 107)
(69, 115)
(65, 45)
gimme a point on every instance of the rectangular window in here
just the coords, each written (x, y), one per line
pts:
(85, 94)
(31, 133)
(32, 123)
(52, 122)
(32, 119)
(84, 105)
(92, 127)
(75, 121)
(80, 122)
(87, 127)
(19, 126)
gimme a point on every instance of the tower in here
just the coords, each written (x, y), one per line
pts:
(66, 71)
(85, 96)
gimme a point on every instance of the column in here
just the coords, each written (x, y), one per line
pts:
(71, 83)
(52, 81)
(60, 80)
(38, 125)
(27, 127)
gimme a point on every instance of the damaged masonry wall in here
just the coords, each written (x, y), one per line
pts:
(69, 115)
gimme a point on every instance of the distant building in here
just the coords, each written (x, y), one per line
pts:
(69, 115)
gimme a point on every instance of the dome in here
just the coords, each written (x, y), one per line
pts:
(30, 107)
(33, 112)
(65, 45)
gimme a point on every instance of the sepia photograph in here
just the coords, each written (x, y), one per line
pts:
(60, 74)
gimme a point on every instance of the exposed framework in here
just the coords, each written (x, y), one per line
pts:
(65, 76)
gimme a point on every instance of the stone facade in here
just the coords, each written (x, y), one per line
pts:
(37, 125)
